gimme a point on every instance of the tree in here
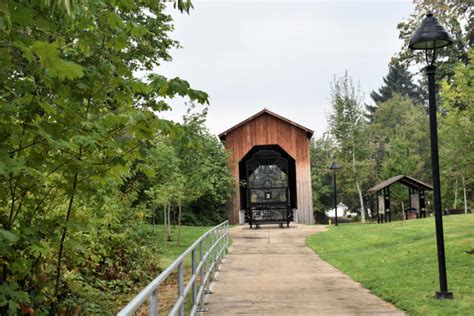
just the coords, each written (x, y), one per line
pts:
(347, 126)
(456, 131)
(188, 168)
(401, 157)
(208, 180)
(322, 151)
(398, 81)
(400, 122)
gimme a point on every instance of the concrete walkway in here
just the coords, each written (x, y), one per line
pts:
(270, 271)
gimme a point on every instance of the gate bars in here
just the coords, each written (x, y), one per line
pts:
(207, 254)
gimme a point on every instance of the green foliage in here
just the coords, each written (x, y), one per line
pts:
(398, 142)
(322, 151)
(189, 166)
(400, 138)
(397, 261)
(396, 139)
(345, 120)
(78, 102)
(456, 132)
(456, 17)
(349, 130)
(398, 81)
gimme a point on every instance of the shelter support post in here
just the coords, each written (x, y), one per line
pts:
(421, 199)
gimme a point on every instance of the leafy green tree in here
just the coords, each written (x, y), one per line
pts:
(322, 153)
(456, 132)
(204, 163)
(347, 126)
(189, 168)
(401, 121)
(401, 157)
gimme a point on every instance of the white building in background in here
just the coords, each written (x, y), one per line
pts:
(342, 211)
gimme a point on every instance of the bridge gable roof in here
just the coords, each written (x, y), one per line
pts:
(309, 132)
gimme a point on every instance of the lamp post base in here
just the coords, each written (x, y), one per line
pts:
(444, 295)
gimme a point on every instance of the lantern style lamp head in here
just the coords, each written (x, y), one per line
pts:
(334, 166)
(430, 36)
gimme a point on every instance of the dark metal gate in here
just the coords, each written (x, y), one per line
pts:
(267, 189)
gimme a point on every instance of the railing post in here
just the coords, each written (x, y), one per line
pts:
(218, 248)
(218, 251)
(181, 287)
(213, 263)
(208, 270)
(223, 243)
(194, 274)
(213, 254)
(226, 238)
(202, 308)
(153, 307)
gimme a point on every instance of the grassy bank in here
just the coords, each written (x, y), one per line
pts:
(398, 261)
(164, 253)
(169, 251)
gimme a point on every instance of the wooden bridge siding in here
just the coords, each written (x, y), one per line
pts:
(268, 130)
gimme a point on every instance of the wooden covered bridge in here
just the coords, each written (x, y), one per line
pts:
(269, 158)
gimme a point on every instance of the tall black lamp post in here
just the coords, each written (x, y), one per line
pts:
(334, 167)
(429, 37)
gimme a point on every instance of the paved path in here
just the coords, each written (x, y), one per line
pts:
(270, 271)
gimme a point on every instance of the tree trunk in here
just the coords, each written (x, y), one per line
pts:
(153, 222)
(164, 222)
(465, 195)
(403, 212)
(179, 221)
(169, 221)
(361, 197)
(455, 204)
(174, 219)
(61, 246)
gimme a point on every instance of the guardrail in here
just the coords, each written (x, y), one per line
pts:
(207, 254)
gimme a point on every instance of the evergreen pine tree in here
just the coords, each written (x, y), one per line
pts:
(398, 81)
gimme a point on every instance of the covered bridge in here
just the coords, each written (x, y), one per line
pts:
(269, 159)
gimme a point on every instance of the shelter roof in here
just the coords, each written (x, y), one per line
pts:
(406, 180)
(309, 132)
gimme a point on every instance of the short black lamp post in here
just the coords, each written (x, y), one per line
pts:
(334, 167)
(429, 37)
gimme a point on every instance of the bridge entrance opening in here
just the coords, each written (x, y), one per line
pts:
(268, 186)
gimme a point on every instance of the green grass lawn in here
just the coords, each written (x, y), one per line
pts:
(169, 251)
(398, 261)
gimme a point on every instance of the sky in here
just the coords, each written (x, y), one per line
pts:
(281, 55)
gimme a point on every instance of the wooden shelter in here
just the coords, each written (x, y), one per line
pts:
(269, 158)
(416, 193)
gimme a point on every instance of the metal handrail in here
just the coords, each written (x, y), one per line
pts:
(204, 266)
